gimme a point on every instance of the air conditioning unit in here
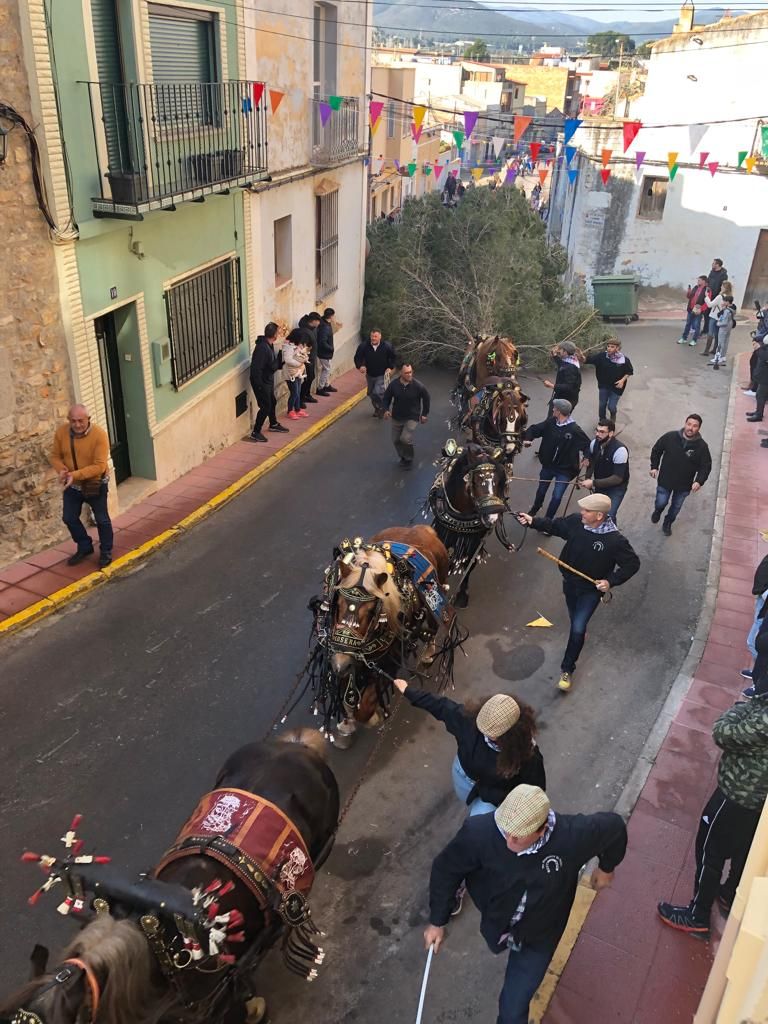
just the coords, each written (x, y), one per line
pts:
(161, 360)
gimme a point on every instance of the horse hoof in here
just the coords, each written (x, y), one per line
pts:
(256, 1009)
(375, 720)
(461, 600)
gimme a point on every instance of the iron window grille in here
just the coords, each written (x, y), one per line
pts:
(327, 248)
(204, 319)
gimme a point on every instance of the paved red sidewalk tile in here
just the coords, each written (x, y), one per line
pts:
(626, 965)
(25, 582)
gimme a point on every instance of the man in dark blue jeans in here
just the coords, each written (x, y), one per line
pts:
(521, 864)
(73, 506)
(601, 557)
(680, 464)
(564, 446)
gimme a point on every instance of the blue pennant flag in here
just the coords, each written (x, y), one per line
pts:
(572, 175)
(570, 153)
(247, 105)
(571, 126)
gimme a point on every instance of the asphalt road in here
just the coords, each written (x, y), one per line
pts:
(123, 707)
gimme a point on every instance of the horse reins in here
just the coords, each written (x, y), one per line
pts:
(63, 975)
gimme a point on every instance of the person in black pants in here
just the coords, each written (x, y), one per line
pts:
(375, 358)
(760, 377)
(308, 326)
(680, 464)
(564, 446)
(567, 382)
(265, 363)
(522, 866)
(409, 400)
(607, 470)
(595, 548)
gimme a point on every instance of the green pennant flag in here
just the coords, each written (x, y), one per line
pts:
(411, 170)
(334, 102)
(427, 169)
(764, 140)
(459, 137)
(743, 154)
(672, 172)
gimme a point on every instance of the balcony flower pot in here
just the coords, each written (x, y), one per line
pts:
(129, 188)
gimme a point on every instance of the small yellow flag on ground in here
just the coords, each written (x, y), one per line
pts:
(764, 535)
(541, 621)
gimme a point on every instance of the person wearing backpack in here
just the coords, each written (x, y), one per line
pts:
(726, 321)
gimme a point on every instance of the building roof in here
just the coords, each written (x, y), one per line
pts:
(755, 21)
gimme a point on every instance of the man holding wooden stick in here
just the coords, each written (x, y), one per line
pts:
(596, 557)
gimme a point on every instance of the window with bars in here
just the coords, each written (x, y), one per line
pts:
(327, 243)
(204, 319)
(653, 196)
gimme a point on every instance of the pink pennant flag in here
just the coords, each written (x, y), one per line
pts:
(470, 120)
(325, 113)
(713, 165)
(639, 159)
(438, 168)
(455, 172)
(416, 132)
(375, 108)
(703, 157)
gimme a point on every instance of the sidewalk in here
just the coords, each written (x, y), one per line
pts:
(626, 966)
(41, 583)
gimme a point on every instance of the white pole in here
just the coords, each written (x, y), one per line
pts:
(424, 981)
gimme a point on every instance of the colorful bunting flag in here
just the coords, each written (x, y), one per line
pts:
(477, 173)
(749, 163)
(397, 165)
(377, 165)
(605, 174)
(411, 169)
(325, 113)
(713, 165)
(570, 127)
(418, 115)
(543, 175)
(673, 171)
(521, 125)
(375, 108)
(470, 120)
(498, 144)
(427, 169)
(535, 150)
(258, 92)
(743, 153)
(455, 172)
(275, 96)
(458, 136)
(335, 102)
(671, 160)
(703, 157)
(630, 130)
(573, 174)
(605, 156)
(570, 153)
(439, 168)
(416, 132)
(764, 140)
(247, 105)
(511, 175)
(639, 159)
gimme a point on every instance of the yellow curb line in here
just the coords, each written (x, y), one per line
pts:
(585, 895)
(47, 605)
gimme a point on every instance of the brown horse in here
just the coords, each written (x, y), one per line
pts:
(499, 416)
(373, 618)
(121, 970)
(494, 357)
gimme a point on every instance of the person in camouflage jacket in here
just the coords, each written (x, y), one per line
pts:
(729, 820)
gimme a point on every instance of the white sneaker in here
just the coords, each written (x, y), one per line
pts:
(713, 361)
(681, 341)
(749, 394)
(692, 343)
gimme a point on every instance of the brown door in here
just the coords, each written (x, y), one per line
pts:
(757, 285)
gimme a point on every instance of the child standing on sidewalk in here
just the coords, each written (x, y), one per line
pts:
(295, 356)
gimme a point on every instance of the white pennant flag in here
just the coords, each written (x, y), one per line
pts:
(377, 165)
(498, 144)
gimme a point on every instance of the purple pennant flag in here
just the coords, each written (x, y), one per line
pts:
(511, 175)
(470, 120)
(572, 174)
(397, 165)
(325, 113)
(639, 158)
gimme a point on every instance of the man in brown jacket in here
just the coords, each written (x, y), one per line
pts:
(80, 456)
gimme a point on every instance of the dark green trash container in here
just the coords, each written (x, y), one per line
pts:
(616, 296)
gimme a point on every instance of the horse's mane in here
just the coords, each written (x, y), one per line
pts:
(117, 951)
(388, 594)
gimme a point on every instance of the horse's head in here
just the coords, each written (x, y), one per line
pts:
(505, 415)
(108, 970)
(485, 479)
(364, 609)
(501, 357)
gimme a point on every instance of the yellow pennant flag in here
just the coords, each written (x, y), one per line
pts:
(477, 173)
(749, 163)
(418, 115)
(541, 621)
(764, 535)
(671, 160)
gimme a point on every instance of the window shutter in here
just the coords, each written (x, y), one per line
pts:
(181, 48)
(109, 67)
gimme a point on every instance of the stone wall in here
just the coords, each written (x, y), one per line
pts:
(35, 381)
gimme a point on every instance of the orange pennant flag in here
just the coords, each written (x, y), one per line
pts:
(275, 97)
(418, 115)
(671, 160)
(543, 175)
(521, 126)
(606, 156)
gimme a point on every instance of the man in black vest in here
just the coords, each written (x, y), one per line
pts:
(563, 446)
(596, 549)
(265, 363)
(680, 464)
(608, 466)
(522, 864)
(375, 358)
(308, 325)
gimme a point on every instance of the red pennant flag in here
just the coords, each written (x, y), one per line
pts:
(605, 174)
(275, 96)
(535, 148)
(521, 126)
(258, 92)
(713, 165)
(605, 156)
(630, 129)
(703, 157)
(543, 175)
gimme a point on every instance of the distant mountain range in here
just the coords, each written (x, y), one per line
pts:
(466, 19)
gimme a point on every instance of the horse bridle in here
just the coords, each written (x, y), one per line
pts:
(343, 638)
(63, 975)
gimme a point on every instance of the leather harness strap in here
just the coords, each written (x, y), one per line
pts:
(93, 983)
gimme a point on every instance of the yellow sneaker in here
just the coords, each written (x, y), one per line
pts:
(564, 682)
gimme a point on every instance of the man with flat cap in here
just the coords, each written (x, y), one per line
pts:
(521, 864)
(594, 548)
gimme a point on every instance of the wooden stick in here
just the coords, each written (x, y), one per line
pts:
(553, 558)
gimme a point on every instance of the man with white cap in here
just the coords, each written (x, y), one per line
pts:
(595, 549)
(522, 866)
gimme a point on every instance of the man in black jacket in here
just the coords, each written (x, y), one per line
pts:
(760, 377)
(308, 326)
(374, 358)
(325, 351)
(680, 463)
(265, 362)
(608, 465)
(522, 866)
(567, 382)
(410, 406)
(595, 548)
(612, 370)
(563, 447)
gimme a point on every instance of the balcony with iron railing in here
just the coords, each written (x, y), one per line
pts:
(163, 143)
(338, 139)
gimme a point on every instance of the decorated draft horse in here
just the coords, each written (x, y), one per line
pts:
(382, 608)
(487, 358)
(183, 944)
